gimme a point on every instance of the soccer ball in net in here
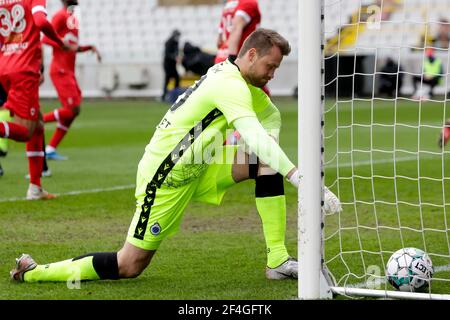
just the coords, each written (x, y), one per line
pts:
(409, 269)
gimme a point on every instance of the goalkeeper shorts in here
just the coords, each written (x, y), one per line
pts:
(165, 210)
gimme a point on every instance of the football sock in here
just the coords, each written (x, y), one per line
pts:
(3, 147)
(271, 205)
(61, 114)
(4, 116)
(61, 130)
(35, 154)
(92, 266)
(45, 166)
(446, 135)
(13, 131)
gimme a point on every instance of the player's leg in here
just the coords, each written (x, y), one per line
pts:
(23, 100)
(270, 203)
(432, 83)
(4, 116)
(60, 114)
(69, 94)
(19, 130)
(167, 75)
(35, 154)
(46, 172)
(176, 76)
(65, 118)
(416, 80)
(444, 136)
(145, 234)
(133, 260)
(128, 262)
(22, 128)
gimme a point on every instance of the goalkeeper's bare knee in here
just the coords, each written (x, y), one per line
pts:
(132, 260)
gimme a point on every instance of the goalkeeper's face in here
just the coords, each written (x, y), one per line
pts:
(262, 68)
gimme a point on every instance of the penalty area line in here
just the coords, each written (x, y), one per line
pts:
(379, 161)
(78, 192)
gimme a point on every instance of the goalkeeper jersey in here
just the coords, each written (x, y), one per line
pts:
(194, 128)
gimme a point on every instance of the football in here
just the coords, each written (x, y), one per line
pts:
(409, 269)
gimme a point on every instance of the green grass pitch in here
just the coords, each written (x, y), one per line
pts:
(219, 252)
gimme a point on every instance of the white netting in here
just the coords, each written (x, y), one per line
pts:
(383, 117)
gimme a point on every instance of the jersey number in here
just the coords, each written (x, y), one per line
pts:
(182, 99)
(12, 21)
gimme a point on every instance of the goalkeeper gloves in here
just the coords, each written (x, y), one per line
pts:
(332, 204)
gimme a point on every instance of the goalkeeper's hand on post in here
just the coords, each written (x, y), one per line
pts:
(332, 204)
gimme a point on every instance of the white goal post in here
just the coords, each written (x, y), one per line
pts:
(375, 147)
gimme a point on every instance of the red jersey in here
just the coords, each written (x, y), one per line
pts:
(247, 9)
(20, 46)
(66, 26)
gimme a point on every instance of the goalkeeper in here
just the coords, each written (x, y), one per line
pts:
(186, 160)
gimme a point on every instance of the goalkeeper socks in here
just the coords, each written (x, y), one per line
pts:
(104, 263)
(271, 205)
(93, 266)
(60, 115)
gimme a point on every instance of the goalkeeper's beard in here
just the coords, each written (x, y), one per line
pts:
(256, 80)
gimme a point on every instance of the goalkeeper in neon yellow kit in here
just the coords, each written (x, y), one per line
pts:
(186, 160)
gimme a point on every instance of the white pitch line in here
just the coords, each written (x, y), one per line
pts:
(383, 281)
(341, 165)
(78, 192)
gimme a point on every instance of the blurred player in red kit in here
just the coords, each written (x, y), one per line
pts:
(20, 61)
(444, 136)
(62, 73)
(239, 19)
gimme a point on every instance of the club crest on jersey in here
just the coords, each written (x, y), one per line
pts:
(72, 22)
(155, 229)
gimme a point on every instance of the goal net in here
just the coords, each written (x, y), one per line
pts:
(385, 83)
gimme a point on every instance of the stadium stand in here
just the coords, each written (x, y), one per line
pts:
(130, 35)
(401, 33)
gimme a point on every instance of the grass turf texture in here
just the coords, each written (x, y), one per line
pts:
(219, 252)
(367, 144)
